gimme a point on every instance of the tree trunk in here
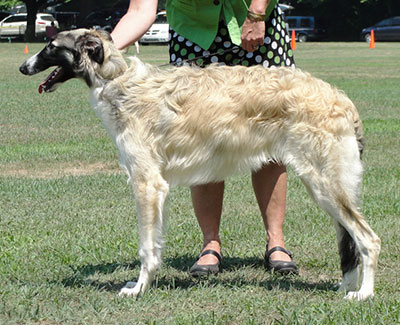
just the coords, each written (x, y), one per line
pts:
(31, 9)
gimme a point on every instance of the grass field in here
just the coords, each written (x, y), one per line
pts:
(68, 238)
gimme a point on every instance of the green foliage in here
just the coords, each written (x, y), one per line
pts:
(7, 4)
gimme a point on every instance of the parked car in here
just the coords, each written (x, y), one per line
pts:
(158, 32)
(102, 19)
(66, 19)
(14, 26)
(386, 30)
(305, 28)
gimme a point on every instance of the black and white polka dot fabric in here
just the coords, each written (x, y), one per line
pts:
(275, 51)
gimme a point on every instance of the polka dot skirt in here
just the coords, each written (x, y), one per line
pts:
(275, 51)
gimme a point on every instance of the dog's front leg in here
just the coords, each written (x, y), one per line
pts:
(150, 198)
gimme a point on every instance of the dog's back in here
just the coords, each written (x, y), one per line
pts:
(233, 106)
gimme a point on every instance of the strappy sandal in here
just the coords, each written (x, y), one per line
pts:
(281, 267)
(205, 270)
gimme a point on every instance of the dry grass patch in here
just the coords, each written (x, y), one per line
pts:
(59, 170)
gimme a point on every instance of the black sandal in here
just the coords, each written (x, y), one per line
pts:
(205, 270)
(281, 267)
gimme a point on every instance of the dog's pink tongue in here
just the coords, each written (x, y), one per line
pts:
(43, 86)
(40, 89)
(50, 80)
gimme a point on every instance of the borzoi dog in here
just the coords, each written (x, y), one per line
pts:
(187, 126)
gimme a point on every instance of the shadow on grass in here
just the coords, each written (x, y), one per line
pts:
(82, 275)
(178, 277)
(235, 266)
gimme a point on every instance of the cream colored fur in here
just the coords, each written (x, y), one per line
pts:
(187, 126)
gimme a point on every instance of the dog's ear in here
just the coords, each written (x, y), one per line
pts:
(104, 34)
(93, 46)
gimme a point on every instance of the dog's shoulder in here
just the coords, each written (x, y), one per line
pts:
(140, 69)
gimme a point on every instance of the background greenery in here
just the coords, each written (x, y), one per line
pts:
(343, 20)
(68, 238)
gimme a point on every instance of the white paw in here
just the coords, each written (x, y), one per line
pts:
(358, 295)
(130, 289)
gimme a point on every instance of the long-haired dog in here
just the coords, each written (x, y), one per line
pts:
(192, 126)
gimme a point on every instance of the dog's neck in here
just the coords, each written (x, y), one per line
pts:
(114, 65)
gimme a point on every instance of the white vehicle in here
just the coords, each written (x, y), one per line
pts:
(15, 25)
(158, 32)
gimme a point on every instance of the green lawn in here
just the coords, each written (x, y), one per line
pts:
(68, 233)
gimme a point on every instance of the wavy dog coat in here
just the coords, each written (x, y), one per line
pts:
(187, 126)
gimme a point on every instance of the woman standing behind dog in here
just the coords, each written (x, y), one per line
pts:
(236, 32)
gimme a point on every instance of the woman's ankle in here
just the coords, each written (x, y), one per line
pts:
(214, 244)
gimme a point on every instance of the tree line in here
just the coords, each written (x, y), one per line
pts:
(342, 19)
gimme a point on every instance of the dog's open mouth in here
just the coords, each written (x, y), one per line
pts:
(59, 75)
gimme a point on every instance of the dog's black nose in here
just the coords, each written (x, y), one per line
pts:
(23, 69)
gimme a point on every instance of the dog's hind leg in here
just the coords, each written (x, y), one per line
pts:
(349, 259)
(150, 198)
(356, 240)
(333, 182)
(368, 246)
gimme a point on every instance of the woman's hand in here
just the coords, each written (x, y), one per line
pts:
(253, 33)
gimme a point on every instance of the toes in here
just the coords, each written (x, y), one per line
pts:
(130, 289)
(358, 295)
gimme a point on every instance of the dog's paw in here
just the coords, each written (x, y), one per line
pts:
(359, 295)
(130, 289)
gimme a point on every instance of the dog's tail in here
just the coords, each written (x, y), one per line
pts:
(359, 132)
(353, 118)
(357, 124)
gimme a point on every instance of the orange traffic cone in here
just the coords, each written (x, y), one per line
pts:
(372, 40)
(293, 42)
(26, 51)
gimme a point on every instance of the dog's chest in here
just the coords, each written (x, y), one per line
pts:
(104, 111)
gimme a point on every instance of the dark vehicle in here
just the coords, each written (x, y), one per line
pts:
(102, 19)
(386, 30)
(4, 15)
(67, 19)
(305, 28)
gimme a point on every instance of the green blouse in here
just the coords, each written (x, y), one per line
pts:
(197, 20)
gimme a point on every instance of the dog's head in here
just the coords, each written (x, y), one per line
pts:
(81, 53)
